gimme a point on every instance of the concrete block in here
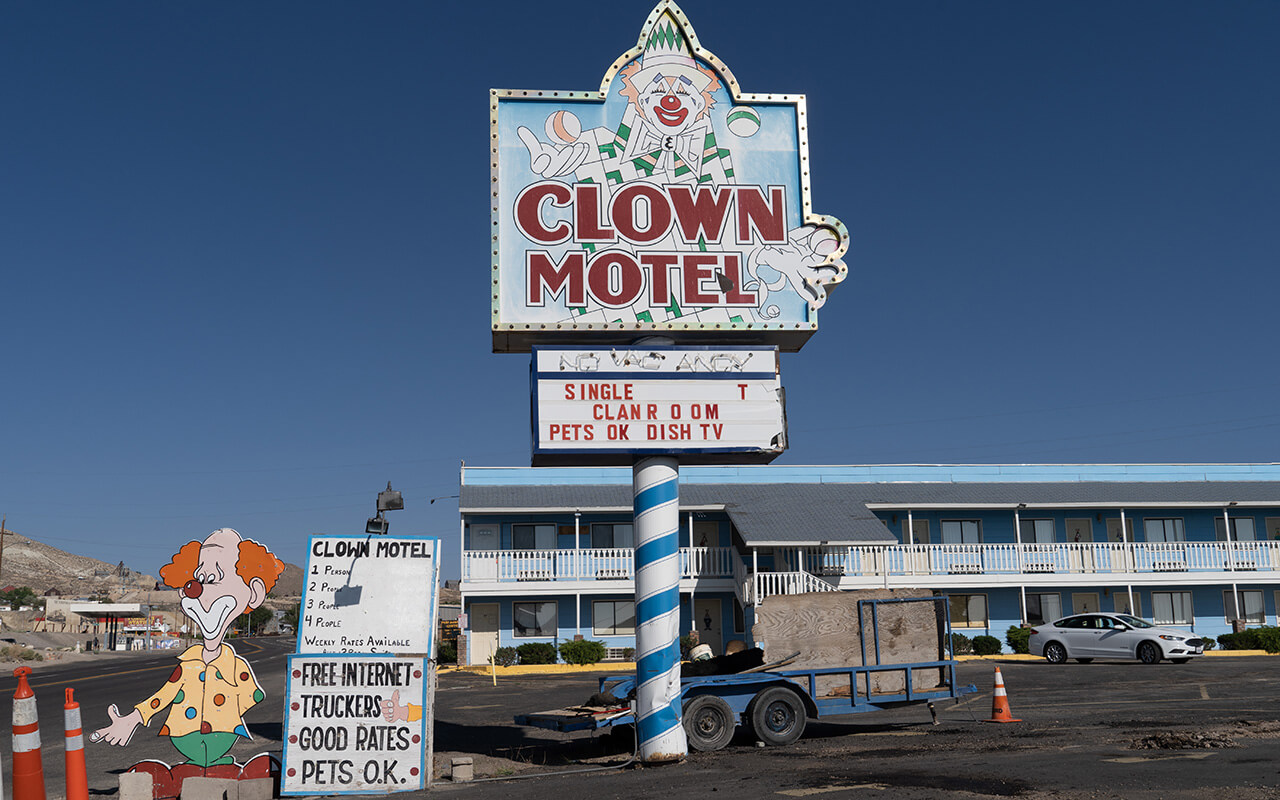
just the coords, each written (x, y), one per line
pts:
(210, 789)
(135, 786)
(257, 788)
(462, 770)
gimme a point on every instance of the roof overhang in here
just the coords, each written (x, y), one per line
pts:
(1054, 506)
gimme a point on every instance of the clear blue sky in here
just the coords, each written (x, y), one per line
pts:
(244, 246)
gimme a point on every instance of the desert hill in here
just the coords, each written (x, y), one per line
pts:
(48, 570)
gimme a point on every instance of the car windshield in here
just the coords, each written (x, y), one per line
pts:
(1134, 622)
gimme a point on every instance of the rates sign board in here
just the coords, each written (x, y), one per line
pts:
(369, 594)
(354, 725)
(609, 405)
(667, 202)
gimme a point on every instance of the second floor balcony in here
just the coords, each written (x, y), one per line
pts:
(866, 564)
(587, 564)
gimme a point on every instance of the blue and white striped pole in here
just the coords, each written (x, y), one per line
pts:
(655, 482)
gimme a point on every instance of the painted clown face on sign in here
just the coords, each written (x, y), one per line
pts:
(670, 103)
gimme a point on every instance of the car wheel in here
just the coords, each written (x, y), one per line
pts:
(1148, 653)
(777, 715)
(1085, 660)
(1179, 660)
(1055, 653)
(709, 723)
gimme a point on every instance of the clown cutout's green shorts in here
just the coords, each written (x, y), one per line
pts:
(206, 749)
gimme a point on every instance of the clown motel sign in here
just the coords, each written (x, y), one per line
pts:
(666, 202)
(369, 594)
(606, 405)
(354, 725)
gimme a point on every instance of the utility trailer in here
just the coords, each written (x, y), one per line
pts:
(776, 702)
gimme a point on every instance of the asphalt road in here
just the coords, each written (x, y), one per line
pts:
(1217, 721)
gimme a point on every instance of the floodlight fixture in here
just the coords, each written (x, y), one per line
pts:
(390, 500)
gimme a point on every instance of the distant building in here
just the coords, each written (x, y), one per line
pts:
(547, 554)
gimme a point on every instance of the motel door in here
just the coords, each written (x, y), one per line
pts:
(707, 619)
(483, 619)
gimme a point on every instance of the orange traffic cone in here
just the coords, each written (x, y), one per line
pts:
(999, 703)
(77, 775)
(28, 771)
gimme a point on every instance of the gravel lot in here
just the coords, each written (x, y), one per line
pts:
(1102, 730)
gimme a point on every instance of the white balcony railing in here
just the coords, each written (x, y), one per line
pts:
(1066, 558)
(618, 563)
(825, 566)
(771, 583)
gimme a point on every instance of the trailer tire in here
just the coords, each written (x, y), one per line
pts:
(708, 723)
(777, 716)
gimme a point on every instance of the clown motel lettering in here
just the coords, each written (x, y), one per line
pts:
(369, 594)
(657, 400)
(354, 724)
(643, 214)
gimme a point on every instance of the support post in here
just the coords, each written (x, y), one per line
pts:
(1022, 579)
(656, 489)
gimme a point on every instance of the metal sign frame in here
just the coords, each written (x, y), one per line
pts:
(626, 453)
(788, 288)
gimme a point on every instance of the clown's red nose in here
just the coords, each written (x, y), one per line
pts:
(670, 102)
(192, 588)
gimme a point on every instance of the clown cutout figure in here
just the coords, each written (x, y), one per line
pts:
(209, 690)
(667, 136)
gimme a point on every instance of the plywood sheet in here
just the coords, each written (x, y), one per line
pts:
(825, 629)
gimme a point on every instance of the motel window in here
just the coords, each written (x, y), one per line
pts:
(534, 619)
(1171, 608)
(1246, 606)
(1241, 529)
(533, 537)
(613, 618)
(610, 536)
(968, 610)
(1042, 608)
(739, 617)
(961, 531)
(1036, 531)
(1164, 530)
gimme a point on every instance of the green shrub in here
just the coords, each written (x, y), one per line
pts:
(447, 653)
(1209, 644)
(16, 652)
(628, 654)
(961, 645)
(986, 646)
(505, 657)
(582, 651)
(1269, 638)
(1018, 639)
(1263, 638)
(537, 653)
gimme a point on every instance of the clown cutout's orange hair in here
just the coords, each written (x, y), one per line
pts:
(253, 561)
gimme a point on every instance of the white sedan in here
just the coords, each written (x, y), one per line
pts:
(1085, 637)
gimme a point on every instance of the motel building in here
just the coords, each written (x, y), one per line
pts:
(547, 553)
